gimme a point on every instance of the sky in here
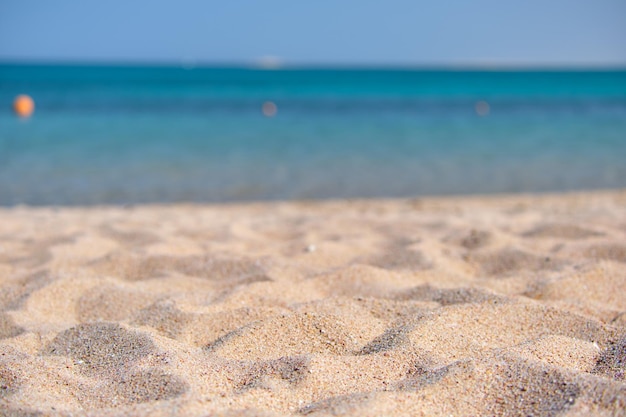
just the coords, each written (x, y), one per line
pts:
(345, 32)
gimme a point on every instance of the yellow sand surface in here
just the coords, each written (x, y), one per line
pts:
(506, 305)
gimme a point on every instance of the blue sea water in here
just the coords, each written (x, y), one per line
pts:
(123, 134)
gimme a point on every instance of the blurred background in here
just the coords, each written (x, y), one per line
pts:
(124, 102)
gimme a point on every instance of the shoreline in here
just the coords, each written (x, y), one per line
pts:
(431, 198)
(464, 305)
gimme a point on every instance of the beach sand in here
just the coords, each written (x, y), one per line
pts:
(506, 305)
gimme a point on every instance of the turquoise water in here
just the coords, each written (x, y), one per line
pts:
(105, 134)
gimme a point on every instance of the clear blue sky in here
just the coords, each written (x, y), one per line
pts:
(383, 32)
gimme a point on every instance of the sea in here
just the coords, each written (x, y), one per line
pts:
(124, 134)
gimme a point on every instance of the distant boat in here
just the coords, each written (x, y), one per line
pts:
(269, 62)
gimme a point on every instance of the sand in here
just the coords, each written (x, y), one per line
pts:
(507, 305)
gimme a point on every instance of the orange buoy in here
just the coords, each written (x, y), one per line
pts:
(269, 109)
(23, 105)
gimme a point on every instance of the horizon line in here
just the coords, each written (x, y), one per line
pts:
(282, 65)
